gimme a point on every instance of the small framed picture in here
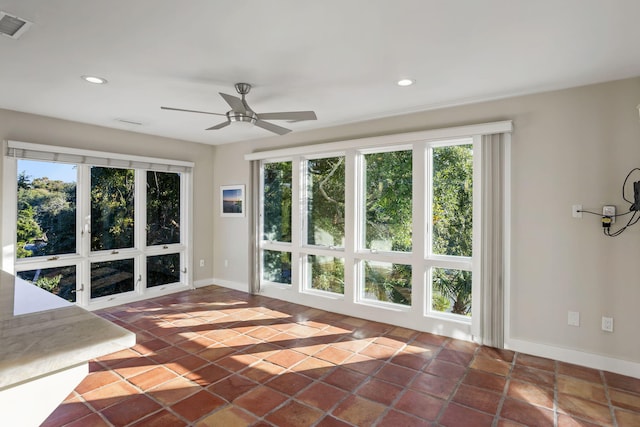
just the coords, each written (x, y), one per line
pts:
(232, 200)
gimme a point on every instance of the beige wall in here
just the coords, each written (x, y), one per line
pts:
(42, 130)
(569, 147)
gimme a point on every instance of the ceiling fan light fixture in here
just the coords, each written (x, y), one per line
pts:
(95, 80)
(405, 82)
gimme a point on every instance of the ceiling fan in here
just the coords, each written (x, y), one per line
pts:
(241, 112)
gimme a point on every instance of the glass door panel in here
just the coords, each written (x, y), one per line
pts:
(112, 208)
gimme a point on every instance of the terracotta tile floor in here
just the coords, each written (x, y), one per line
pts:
(218, 357)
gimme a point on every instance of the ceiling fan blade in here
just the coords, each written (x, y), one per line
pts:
(292, 116)
(220, 126)
(191, 111)
(235, 103)
(271, 127)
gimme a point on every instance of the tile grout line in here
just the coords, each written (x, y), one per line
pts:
(612, 411)
(505, 391)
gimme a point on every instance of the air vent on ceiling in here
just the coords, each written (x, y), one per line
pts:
(12, 26)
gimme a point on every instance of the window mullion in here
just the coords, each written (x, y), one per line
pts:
(140, 223)
(297, 223)
(420, 221)
(353, 195)
(83, 206)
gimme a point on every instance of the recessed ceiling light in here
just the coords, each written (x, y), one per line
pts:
(405, 82)
(95, 80)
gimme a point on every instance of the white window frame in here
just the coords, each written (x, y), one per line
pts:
(418, 315)
(82, 259)
(307, 249)
(453, 262)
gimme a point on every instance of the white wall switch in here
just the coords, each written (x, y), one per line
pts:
(609, 210)
(573, 319)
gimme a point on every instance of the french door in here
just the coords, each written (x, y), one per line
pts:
(95, 234)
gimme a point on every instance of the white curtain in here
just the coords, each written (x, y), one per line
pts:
(254, 228)
(493, 231)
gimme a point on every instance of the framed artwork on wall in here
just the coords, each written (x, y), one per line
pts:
(232, 201)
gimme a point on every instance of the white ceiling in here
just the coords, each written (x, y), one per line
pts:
(340, 58)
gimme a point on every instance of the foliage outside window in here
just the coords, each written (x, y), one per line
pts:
(163, 270)
(387, 282)
(163, 208)
(46, 223)
(111, 277)
(452, 225)
(453, 200)
(112, 208)
(276, 266)
(325, 201)
(326, 273)
(389, 201)
(452, 291)
(59, 281)
(277, 201)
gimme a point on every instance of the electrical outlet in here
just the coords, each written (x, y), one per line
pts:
(226, 263)
(576, 211)
(607, 324)
(201, 263)
(609, 210)
(573, 319)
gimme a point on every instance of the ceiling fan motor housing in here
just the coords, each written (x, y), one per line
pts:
(248, 116)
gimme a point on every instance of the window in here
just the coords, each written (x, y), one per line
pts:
(277, 202)
(112, 215)
(163, 208)
(93, 233)
(378, 267)
(46, 205)
(325, 201)
(325, 273)
(452, 228)
(276, 219)
(384, 228)
(388, 202)
(387, 282)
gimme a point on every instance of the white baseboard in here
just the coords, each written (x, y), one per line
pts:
(238, 286)
(203, 282)
(591, 360)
